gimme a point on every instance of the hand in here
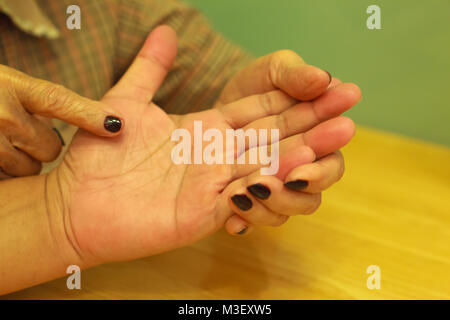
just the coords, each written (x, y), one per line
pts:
(325, 97)
(124, 198)
(284, 70)
(26, 136)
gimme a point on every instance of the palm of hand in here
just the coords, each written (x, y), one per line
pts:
(124, 198)
(130, 183)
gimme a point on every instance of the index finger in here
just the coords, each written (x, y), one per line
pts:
(51, 100)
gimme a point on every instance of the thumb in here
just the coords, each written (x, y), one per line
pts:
(284, 70)
(51, 100)
(148, 70)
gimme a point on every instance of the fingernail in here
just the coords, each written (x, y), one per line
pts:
(296, 184)
(259, 190)
(112, 124)
(242, 202)
(59, 136)
(329, 74)
(243, 231)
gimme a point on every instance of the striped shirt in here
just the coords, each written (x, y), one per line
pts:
(34, 38)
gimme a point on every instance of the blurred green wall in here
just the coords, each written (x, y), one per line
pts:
(403, 69)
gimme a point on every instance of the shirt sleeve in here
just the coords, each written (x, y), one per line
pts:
(205, 60)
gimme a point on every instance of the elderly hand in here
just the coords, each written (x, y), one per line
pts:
(26, 136)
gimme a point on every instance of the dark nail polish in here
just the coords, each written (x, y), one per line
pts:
(329, 74)
(243, 231)
(242, 202)
(59, 136)
(113, 124)
(296, 184)
(259, 190)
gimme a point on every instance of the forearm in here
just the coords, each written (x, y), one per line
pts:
(34, 247)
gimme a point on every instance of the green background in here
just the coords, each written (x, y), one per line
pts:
(403, 69)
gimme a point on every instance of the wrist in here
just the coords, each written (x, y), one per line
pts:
(57, 193)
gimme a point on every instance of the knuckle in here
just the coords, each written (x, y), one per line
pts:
(276, 61)
(284, 54)
(11, 123)
(281, 57)
(265, 102)
(17, 128)
(53, 95)
(282, 123)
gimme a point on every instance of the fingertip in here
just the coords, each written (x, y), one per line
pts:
(330, 135)
(166, 30)
(236, 226)
(243, 231)
(161, 45)
(113, 125)
(60, 137)
(312, 81)
(293, 158)
(355, 92)
(334, 82)
(348, 126)
(344, 131)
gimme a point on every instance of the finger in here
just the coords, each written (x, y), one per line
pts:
(246, 206)
(271, 192)
(325, 138)
(248, 109)
(35, 138)
(237, 226)
(50, 100)
(306, 115)
(283, 70)
(290, 158)
(28, 133)
(3, 175)
(150, 67)
(317, 176)
(328, 136)
(15, 162)
(334, 82)
(281, 161)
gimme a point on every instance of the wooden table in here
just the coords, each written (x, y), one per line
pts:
(392, 210)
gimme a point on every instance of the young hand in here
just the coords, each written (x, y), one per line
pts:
(320, 98)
